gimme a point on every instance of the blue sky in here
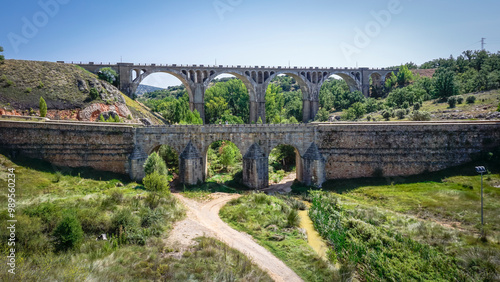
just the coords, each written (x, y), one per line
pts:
(247, 32)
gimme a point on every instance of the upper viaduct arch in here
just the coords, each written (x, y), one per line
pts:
(197, 78)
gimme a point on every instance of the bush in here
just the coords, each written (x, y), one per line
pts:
(43, 107)
(93, 93)
(400, 114)
(452, 102)
(28, 90)
(460, 99)
(124, 220)
(420, 116)
(40, 85)
(386, 114)
(322, 115)
(155, 163)
(471, 99)
(68, 234)
(156, 182)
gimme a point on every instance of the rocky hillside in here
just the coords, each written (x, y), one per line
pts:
(67, 92)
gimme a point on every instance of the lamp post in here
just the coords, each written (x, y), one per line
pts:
(481, 170)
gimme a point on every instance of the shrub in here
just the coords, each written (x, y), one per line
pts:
(293, 219)
(471, 99)
(322, 115)
(386, 114)
(460, 99)
(400, 113)
(68, 234)
(28, 89)
(93, 93)
(129, 117)
(40, 85)
(43, 107)
(452, 102)
(124, 220)
(155, 163)
(156, 182)
(417, 106)
(420, 116)
(101, 118)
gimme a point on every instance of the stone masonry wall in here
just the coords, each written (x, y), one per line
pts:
(102, 147)
(365, 150)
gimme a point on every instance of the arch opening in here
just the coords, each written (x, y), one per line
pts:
(284, 96)
(167, 94)
(224, 163)
(337, 95)
(376, 85)
(285, 164)
(171, 158)
(227, 100)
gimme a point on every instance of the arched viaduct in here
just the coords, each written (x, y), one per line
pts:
(323, 151)
(197, 78)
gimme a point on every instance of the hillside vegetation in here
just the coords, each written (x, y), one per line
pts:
(68, 90)
(462, 88)
(61, 212)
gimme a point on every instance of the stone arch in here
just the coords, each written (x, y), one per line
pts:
(298, 158)
(182, 76)
(299, 77)
(206, 147)
(352, 82)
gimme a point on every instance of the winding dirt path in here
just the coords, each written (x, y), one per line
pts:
(203, 219)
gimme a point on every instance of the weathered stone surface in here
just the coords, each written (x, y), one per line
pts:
(324, 151)
(191, 166)
(255, 168)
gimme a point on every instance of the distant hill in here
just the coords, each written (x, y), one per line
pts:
(142, 89)
(67, 91)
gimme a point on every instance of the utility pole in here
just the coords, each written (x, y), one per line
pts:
(482, 43)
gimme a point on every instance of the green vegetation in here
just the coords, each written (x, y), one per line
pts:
(154, 163)
(2, 58)
(424, 227)
(273, 223)
(63, 86)
(62, 211)
(108, 74)
(43, 107)
(68, 234)
(94, 94)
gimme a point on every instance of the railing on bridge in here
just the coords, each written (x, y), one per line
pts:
(219, 66)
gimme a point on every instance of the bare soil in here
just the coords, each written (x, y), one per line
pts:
(203, 219)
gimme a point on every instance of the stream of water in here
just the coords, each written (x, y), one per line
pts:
(313, 238)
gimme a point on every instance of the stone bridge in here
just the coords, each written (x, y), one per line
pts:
(323, 151)
(197, 78)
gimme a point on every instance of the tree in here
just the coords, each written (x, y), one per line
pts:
(322, 115)
(68, 233)
(229, 154)
(2, 58)
(101, 118)
(445, 84)
(156, 183)
(155, 163)
(93, 93)
(192, 118)
(43, 107)
(108, 74)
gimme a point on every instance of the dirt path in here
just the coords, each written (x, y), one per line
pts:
(284, 186)
(203, 219)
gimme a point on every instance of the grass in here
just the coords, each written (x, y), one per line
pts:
(136, 227)
(273, 223)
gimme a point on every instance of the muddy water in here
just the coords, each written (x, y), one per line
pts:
(313, 238)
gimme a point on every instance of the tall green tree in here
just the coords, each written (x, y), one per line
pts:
(108, 74)
(43, 107)
(445, 84)
(154, 163)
